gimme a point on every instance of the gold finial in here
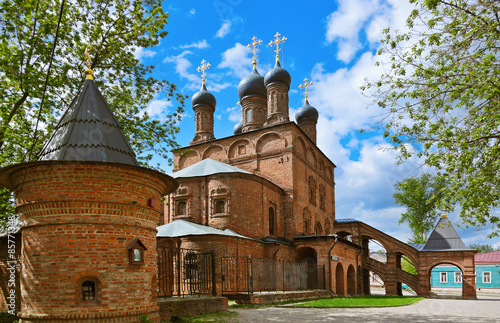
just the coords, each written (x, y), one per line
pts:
(254, 44)
(443, 216)
(305, 85)
(277, 40)
(204, 66)
(88, 60)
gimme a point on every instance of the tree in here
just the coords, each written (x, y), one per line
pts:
(441, 94)
(482, 248)
(114, 29)
(408, 266)
(423, 198)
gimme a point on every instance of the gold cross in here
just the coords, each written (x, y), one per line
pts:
(305, 85)
(204, 66)
(88, 60)
(277, 42)
(254, 44)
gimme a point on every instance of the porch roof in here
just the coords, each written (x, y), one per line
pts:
(182, 228)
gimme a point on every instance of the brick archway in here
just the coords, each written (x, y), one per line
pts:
(339, 279)
(351, 280)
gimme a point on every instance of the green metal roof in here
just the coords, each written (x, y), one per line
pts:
(207, 167)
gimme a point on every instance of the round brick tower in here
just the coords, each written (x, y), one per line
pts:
(89, 214)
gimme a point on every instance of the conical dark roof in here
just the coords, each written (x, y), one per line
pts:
(88, 131)
(444, 237)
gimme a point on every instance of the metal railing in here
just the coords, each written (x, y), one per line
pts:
(185, 272)
(251, 275)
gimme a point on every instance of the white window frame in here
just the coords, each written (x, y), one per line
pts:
(444, 275)
(458, 277)
(487, 280)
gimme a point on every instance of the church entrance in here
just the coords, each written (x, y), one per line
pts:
(309, 256)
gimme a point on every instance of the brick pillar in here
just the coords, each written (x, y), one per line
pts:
(366, 281)
(424, 283)
(204, 123)
(309, 128)
(277, 104)
(254, 112)
(78, 218)
(469, 285)
(391, 282)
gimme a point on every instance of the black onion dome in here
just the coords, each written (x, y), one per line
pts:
(251, 85)
(203, 97)
(306, 113)
(277, 74)
(238, 127)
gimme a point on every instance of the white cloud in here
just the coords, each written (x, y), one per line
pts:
(234, 113)
(237, 60)
(158, 108)
(141, 52)
(182, 66)
(224, 29)
(200, 45)
(192, 12)
(368, 17)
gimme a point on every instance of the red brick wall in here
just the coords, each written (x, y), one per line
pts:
(78, 220)
(285, 156)
(9, 283)
(248, 199)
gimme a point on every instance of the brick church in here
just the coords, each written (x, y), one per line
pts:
(94, 224)
(269, 182)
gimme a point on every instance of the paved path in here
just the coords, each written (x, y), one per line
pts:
(483, 310)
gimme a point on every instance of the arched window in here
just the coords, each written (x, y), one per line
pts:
(306, 227)
(220, 206)
(327, 226)
(88, 291)
(312, 190)
(271, 221)
(181, 208)
(249, 116)
(317, 229)
(322, 196)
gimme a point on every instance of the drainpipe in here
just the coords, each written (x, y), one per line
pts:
(274, 254)
(330, 264)
(274, 267)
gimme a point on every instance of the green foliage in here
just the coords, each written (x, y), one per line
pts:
(408, 266)
(115, 29)
(423, 197)
(441, 92)
(482, 248)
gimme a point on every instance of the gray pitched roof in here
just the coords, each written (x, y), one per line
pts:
(88, 131)
(181, 228)
(207, 167)
(444, 237)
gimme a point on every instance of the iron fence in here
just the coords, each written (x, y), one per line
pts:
(250, 275)
(185, 272)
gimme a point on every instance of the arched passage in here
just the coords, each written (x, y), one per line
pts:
(351, 280)
(339, 279)
(446, 279)
(309, 256)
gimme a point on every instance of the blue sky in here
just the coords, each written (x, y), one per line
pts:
(333, 43)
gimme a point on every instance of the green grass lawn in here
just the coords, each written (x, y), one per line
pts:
(362, 301)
